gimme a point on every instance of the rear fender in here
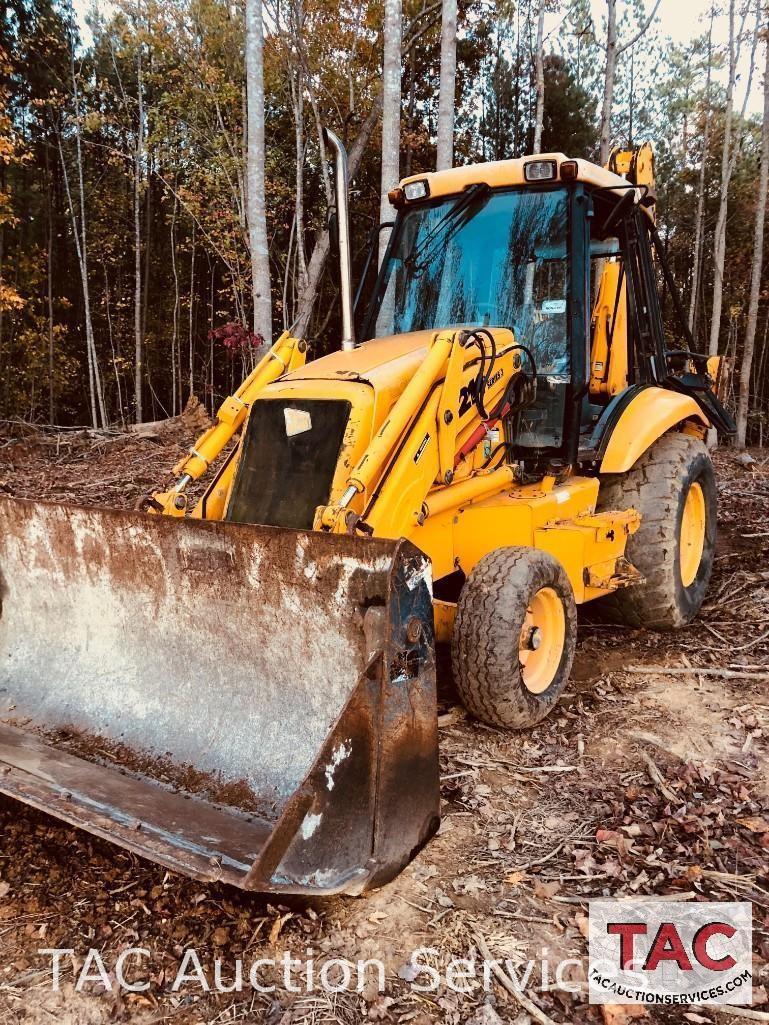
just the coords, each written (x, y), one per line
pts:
(639, 418)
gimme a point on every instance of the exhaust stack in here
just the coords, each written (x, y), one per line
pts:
(343, 220)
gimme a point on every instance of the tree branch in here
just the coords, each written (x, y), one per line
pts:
(640, 32)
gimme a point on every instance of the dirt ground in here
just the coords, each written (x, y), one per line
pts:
(651, 777)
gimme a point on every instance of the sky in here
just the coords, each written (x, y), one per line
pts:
(684, 20)
(679, 20)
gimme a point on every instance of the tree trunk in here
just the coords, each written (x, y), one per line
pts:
(98, 409)
(322, 247)
(297, 89)
(447, 92)
(49, 290)
(176, 363)
(700, 215)
(255, 173)
(410, 109)
(148, 220)
(391, 112)
(719, 241)
(743, 402)
(296, 74)
(191, 367)
(539, 66)
(116, 372)
(608, 80)
(138, 156)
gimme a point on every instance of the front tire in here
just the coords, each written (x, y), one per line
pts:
(514, 637)
(673, 487)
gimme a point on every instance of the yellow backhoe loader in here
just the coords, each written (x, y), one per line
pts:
(242, 687)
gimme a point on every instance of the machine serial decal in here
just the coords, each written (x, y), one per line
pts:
(467, 393)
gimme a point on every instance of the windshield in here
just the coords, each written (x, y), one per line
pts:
(499, 261)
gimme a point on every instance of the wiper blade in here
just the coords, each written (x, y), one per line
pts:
(449, 224)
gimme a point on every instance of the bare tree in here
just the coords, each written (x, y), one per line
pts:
(296, 75)
(613, 51)
(317, 262)
(729, 155)
(446, 95)
(391, 111)
(49, 288)
(255, 174)
(755, 275)
(98, 409)
(176, 363)
(138, 160)
(700, 215)
(539, 68)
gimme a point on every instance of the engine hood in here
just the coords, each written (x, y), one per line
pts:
(381, 362)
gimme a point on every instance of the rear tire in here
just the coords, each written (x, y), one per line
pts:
(514, 637)
(673, 487)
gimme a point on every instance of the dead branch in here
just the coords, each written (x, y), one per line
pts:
(506, 982)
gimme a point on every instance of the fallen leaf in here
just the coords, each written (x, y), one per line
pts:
(583, 924)
(408, 972)
(469, 884)
(515, 877)
(754, 823)
(612, 838)
(484, 1015)
(546, 890)
(277, 925)
(618, 1014)
(379, 1010)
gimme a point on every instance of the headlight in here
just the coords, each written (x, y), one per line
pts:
(540, 170)
(416, 190)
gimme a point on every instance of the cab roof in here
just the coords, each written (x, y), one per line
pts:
(501, 173)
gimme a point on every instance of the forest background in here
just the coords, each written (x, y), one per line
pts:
(164, 186)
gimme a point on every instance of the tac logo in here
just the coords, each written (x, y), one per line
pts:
(662, 952)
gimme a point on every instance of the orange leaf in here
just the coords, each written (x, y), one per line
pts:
(618, 1014)
(755, 824)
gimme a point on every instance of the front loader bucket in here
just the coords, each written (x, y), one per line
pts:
(238, 703)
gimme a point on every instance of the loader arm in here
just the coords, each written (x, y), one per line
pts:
(426, 451)
(286, 355)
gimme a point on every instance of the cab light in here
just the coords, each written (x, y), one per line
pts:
(416, 190)
(569, 170)
(396, 197)
(540, 170)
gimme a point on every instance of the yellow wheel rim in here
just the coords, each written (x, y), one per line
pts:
(543, 635)
(692, 540)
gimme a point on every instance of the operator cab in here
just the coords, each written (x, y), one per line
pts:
(490, 258)
(560, 252)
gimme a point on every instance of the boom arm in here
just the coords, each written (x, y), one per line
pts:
(609, 355)
(286, 354)
(424, 453)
